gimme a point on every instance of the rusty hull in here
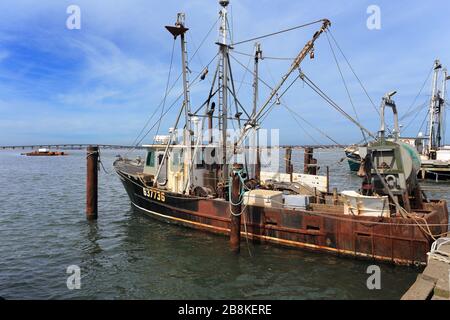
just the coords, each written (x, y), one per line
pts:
(325, 228)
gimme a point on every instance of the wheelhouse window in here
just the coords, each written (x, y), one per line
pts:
(150, 162)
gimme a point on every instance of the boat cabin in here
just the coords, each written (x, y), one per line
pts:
(174, 172)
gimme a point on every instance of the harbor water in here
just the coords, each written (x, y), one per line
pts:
(125, 255)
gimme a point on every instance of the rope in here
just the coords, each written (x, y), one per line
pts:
(437, 254)
(241, 191)
(90, 154)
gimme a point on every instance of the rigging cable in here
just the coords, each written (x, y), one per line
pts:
(323, 95)
(353, 71)
(424, 120)
(416, 113)
(251, 71)
(178, 98)
(135, 143)
(345, 84)
(278, 32)
(407, 113)
(300, 126)
(245, 73)
(167, 87)
(264, 57)
(312, 126)
(277, 99)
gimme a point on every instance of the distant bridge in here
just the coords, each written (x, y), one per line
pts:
(71, 146)
(79, 146)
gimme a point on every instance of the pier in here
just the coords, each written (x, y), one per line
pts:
(71, 146)
(433, 282)
(80, 146)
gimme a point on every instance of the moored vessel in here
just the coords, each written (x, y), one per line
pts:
(43, 152)
(187, 177)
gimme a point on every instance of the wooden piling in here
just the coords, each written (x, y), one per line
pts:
(92, 183)
(335, 196)
(258, 165)
(328, 179)
(288, 160)
(235, 224)
(309, 163)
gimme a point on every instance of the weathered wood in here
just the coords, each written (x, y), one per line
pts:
(433, 283)
(92, 183)
(235, 223)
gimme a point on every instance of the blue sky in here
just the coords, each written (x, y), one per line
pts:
(100, 84)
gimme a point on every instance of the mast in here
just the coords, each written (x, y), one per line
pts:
(434, 112)
(223, 84)
(443, 103)
(179, 30)
(187, 107)
(258, 55)
(254, 139)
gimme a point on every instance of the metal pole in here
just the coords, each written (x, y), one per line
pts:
(235, 223)
(258, 55)
(431, 137)
(443, 106)
(224, 110)
(92, 183)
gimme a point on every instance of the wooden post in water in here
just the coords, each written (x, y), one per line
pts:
(92, 183)
(235, 224)
(328, 179)
(335, 196)
(288, 159)
(258, 165)
(310, 164)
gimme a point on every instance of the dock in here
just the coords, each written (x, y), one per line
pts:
(433, 282)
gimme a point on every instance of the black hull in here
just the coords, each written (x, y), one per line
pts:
(317, 230)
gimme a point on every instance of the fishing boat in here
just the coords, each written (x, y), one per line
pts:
(353, 157)
(205, 179)
(434, 154)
